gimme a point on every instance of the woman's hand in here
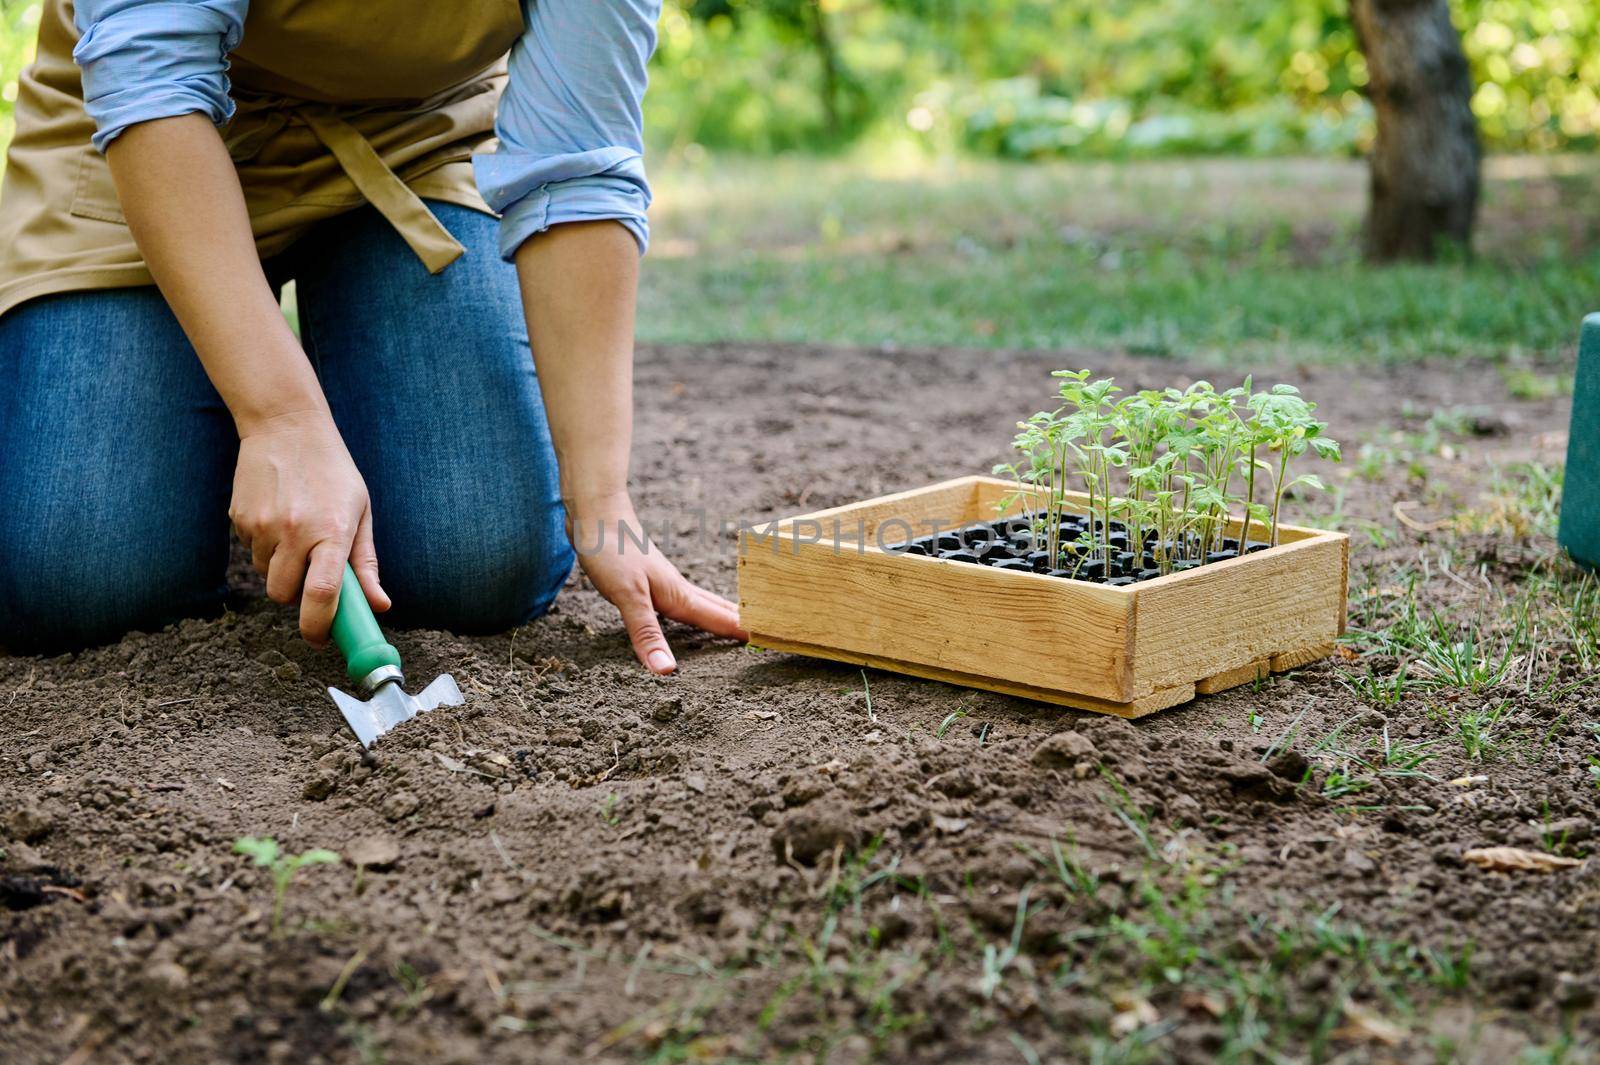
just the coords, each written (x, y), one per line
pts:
(301, 508)
(640, 582)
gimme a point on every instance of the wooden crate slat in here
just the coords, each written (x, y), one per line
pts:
(1303, 656)
(1233, 678)
(950, 503)
(1148, 704)
(1227, 614)
(1018, 627)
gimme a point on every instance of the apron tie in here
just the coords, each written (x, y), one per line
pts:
(393, 198)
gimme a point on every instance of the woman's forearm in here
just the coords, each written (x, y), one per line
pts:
(299, 503)
(579, 283)
(181, 196)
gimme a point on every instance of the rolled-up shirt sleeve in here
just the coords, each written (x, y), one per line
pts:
(149, 59)
(570, 124)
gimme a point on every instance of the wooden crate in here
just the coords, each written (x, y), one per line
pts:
(821, 585)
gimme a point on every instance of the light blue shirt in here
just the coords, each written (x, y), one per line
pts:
(570, 126)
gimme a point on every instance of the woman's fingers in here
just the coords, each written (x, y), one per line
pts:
(644, 629)
(695, 606)
(364, 560)
(319, 599)
(644, 586)
(285, 571)
(261, 548)
(315, 578)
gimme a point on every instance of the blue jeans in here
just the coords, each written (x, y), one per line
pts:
(117, 455)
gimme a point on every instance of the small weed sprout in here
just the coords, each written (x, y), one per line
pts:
(1169, 465)
(282, 867)
(997, 959)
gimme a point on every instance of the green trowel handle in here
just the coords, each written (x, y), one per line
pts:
(356, 632)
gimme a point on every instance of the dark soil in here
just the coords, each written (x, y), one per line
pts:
(763, 858)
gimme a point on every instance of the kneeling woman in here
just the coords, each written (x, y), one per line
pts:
(176, 162)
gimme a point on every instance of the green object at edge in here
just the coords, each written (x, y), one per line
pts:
(1580, 499)
(356, 632)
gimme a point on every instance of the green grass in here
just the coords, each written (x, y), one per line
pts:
(1212, 259)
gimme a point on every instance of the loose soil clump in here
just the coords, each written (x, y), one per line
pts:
(767, 856)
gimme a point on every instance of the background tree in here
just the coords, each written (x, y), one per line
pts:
(1426, 156)
(804, 23)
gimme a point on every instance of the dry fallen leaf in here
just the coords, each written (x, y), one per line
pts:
(1409, 522)
(873, 737)
(833, 767)
(1515, 859)
(454, 765)
(225, 784)
(762, 715)
(1202, 1002)
(1467, 782)
(1363, 1026)
(1133, 1012)
(949, 826)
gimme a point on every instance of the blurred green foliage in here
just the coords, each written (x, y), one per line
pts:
(19, 24)
(1032, 78)
(1036, 78)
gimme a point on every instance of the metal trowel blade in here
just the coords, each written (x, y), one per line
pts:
(391, 706)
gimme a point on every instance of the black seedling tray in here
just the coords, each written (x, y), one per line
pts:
(1012, 543)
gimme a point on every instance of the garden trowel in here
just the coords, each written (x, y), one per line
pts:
(374, 666)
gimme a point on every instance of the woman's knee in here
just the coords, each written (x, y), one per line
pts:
(60, 594)
(113, 491)
(482, 576)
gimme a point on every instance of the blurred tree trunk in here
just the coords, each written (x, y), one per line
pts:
(1424, 188)
(822, 39)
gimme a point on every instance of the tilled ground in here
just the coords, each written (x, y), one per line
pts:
(769, 857)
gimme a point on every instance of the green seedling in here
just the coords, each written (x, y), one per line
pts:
(1075, 875)
(1342, 782)
(996, 958)
(1479, 730)
(608, 809)
(1171, 462)
(1405, 759)
(282, 867)
(1554, 842)
(949, 719)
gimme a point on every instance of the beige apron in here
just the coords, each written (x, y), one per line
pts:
(340, 103)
